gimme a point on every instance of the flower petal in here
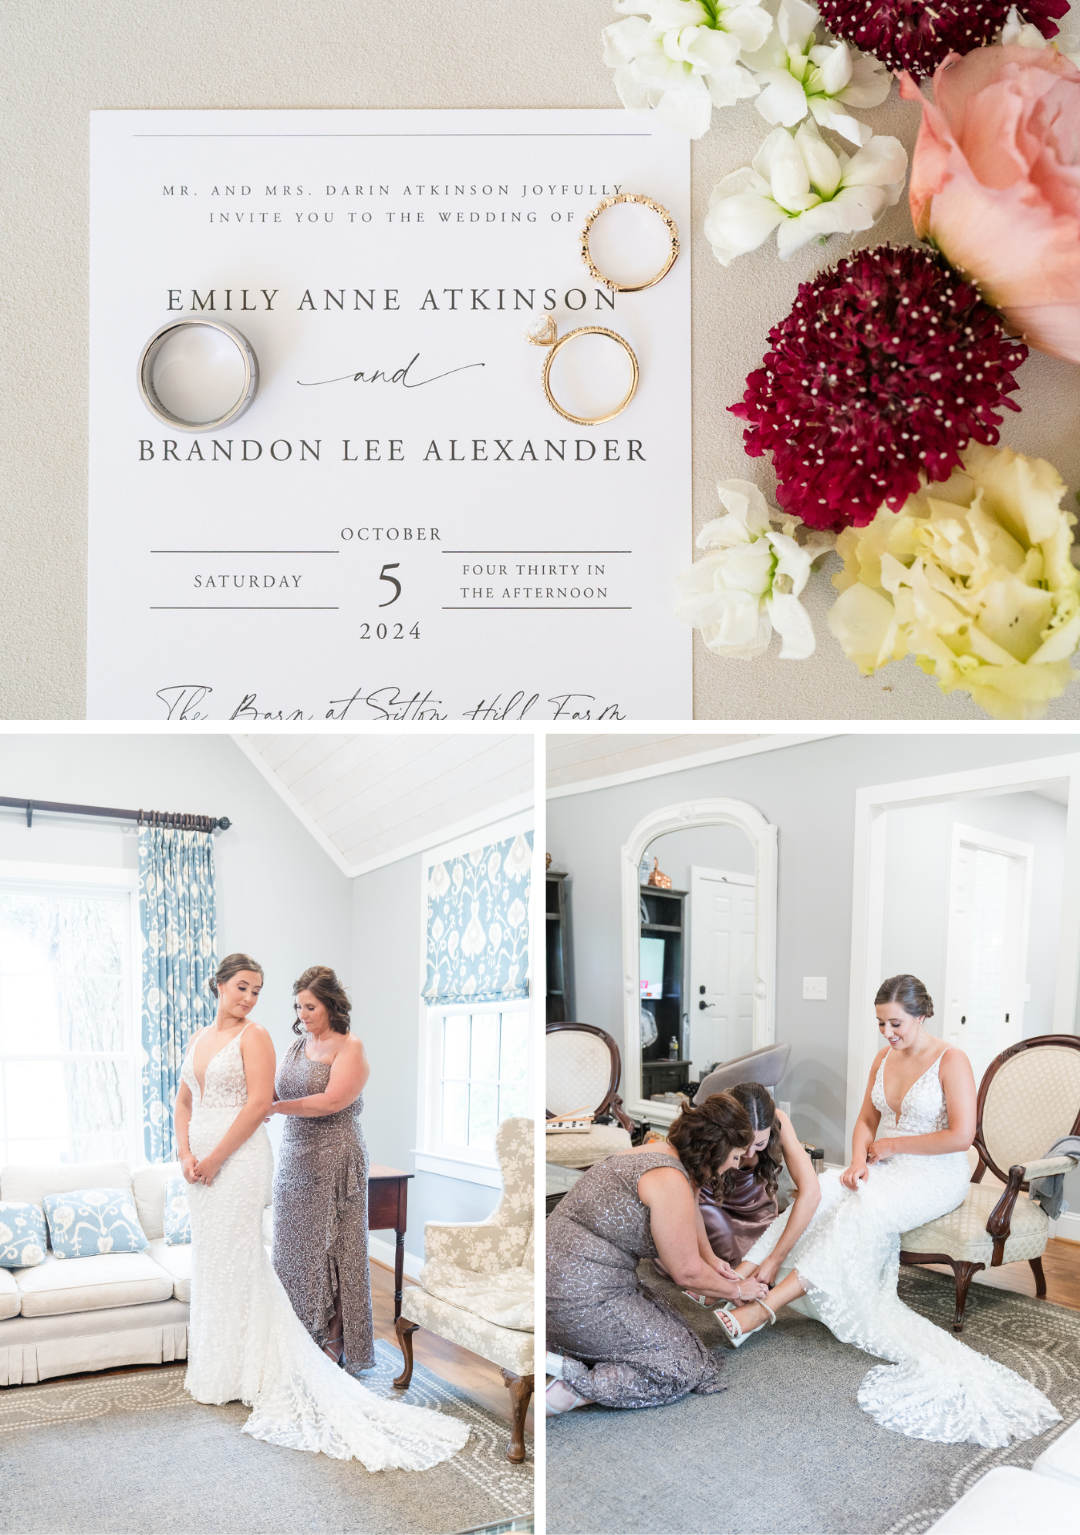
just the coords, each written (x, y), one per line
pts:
(792, 622)
(782, 99)
(829, 115)
(822, 165)
(688, 110)
(741, 223)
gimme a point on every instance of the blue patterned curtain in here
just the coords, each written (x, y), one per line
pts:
(478, 924)
(176, 915)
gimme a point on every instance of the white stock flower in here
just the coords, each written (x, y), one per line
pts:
(1026, 35)
(748, 584)
(797, 75)
(801, 188)
(681, 57)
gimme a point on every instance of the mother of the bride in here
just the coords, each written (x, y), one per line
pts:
(320, 1191)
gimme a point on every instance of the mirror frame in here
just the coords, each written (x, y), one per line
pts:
(763, 839)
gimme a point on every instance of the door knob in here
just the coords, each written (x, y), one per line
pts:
(703, 1005)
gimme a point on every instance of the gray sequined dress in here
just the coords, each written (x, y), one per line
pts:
(622, 1345)
(320, 1213)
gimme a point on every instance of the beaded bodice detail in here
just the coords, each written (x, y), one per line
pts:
(923, 1110)
(225, 1082)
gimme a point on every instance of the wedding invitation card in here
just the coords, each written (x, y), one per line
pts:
(400, 526)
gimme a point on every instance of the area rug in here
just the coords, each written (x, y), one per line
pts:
(134, 1453)
(786, 1449)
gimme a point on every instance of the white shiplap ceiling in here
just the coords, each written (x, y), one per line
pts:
(576, 759)
(370, 799)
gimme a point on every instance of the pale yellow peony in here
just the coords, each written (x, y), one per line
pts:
(974, 577)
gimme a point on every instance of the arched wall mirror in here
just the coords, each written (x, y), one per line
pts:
(699, 953)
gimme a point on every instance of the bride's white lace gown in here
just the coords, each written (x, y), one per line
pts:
(245, 1342)
(848, 1259)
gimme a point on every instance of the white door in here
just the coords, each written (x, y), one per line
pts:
(986, 949)
(721, 1000)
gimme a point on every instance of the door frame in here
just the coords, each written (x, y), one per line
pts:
(728, 877)
(762, 835)
(867, 888)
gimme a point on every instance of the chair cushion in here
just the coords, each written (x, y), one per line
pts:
(177, 1218)
(148, 1185)
(31, 1183)
(505, 1298)
(1062, 1459)
(91, 1284)
(501, 1345)
(91, 1221)
(1006, 1501)
(962, 1234)
(9, 1296)
(175, 1259)
(582, 1150)
(22, 1235)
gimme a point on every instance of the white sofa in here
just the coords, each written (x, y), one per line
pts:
(1008, 1499)
(73, 1314)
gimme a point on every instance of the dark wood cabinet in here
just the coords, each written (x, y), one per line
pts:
(663, 918)
(560, 969)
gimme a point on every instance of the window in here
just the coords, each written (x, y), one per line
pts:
(475, 1055)
(480, 1061)
(68, 1083)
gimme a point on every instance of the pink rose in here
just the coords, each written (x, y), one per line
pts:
(995, 183)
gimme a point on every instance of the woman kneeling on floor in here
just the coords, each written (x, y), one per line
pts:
(615, 1342)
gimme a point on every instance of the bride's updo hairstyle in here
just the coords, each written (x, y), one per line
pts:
(761, 1110)
(705, 1135)
(324, 985)
(232, 965)
(909, 992)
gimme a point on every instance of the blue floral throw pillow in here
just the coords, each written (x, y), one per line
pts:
(22, 1235)
(89, 1222)
(177, 1212)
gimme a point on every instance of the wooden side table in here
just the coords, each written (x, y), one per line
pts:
(388, 1207)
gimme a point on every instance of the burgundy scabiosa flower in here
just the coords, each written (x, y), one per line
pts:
(917, 35)
(888, 364)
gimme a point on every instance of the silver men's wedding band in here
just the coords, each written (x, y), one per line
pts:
(146, 374)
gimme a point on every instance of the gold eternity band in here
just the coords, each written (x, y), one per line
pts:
(544, 333)
(647, 202)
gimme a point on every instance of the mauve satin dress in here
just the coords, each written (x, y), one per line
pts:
(320, 1213)
(734, 1223)
(623, 1346)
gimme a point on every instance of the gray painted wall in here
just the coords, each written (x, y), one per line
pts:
(809, 793)
(918, 844)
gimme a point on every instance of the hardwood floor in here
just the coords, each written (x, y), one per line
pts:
(447, 1360)
(1061, 1265)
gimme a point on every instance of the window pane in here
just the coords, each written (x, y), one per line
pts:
(512, 1101)
(37, 1102)
(514, 1055)
(485, 1048)
(91, 935)
(98, 1107)
(483, 1114)
(46, 1151)
(456, 1045)
(29, 1017)
(455, 1113)
(94, 1013)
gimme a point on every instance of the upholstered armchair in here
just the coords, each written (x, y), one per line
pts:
(476, 1285)
(1028, 1099)
(584, 1068)
(766, 1066)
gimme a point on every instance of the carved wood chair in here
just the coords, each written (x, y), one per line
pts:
(584, 1067)
(1028, 1099)
(464, 1282)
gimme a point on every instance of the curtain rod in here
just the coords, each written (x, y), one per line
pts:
(176, 819)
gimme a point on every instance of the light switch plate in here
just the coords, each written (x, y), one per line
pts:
(785, 1108)
(814, 988)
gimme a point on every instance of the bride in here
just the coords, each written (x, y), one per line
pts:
(245, 1341)
(908, 1166)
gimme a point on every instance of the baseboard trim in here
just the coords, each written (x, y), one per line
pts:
(1067, 1226)
(386, 1253)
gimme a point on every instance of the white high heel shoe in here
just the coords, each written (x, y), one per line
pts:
(735, 1335)
(553, 1408)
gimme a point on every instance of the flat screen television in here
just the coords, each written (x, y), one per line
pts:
(652, 967)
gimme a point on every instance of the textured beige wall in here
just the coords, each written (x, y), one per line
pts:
(60, 59)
